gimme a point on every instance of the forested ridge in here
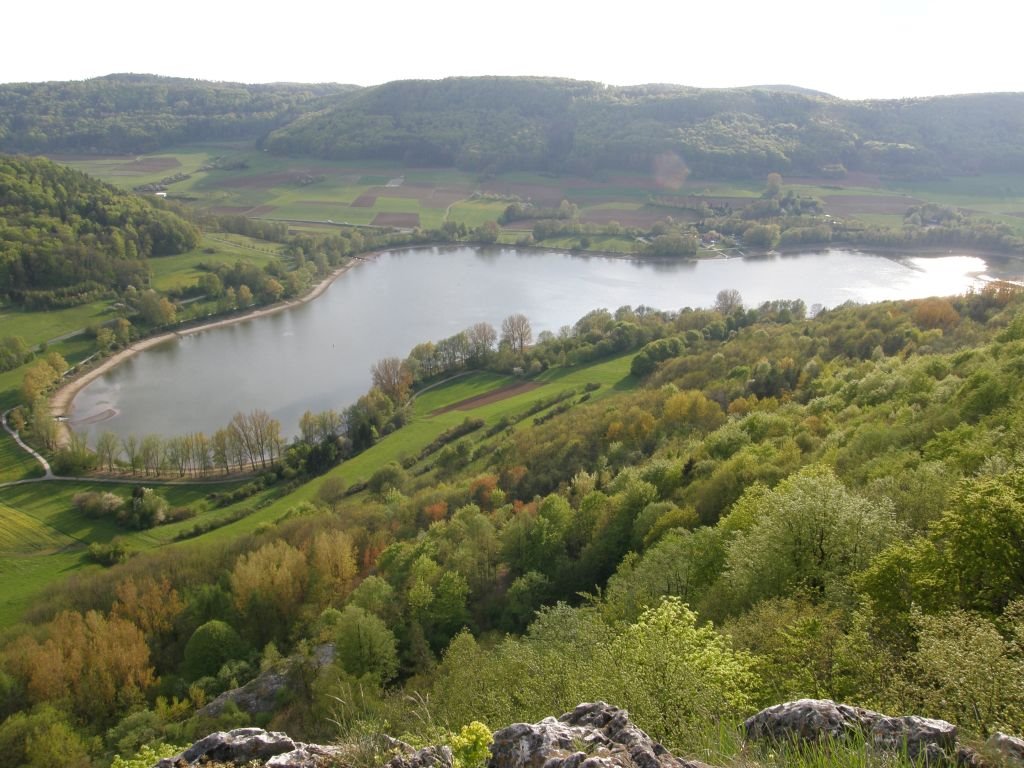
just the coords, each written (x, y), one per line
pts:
(493, 124)
(786, 506)
(499, 124)
(66, 238)
(125, 113)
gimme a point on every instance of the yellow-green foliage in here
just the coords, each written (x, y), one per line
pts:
(471, 745)
(670, 674)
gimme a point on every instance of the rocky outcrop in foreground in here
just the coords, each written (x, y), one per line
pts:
(599, 735)
(591, 736)
(818, 721)
(245, 745)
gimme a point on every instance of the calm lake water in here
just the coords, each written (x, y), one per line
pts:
(318, 355)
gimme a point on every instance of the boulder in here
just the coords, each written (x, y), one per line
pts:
(428, 757)
(1010, 748)
(261, 695)
(595, 735)
(306, 756)
(821, 720)
(239, 746)
(598, 735)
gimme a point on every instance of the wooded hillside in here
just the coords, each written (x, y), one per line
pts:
(496, 124)
(492, 124)
(65, 236)
(123, 113)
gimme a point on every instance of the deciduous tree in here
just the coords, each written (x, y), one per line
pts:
(516, 332)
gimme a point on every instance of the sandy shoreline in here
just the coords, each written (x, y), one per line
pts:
(61, 400)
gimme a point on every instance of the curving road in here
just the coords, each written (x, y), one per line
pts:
(21, 443)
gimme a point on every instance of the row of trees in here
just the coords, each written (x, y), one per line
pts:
(250, 442)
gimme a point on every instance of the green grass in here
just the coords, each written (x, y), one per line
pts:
(22, 533)
(23, 577)
(42, 326)
(460, 389)
(473, 213)
(614, 206)
(179, 271)
(44, 539)
(881, 220)
(15, 464)
(998, 188)
(123, 171)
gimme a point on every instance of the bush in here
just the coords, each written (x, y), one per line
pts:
(471, 745)
(210, 646)
(108, 554)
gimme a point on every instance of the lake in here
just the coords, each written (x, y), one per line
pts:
(318, 355)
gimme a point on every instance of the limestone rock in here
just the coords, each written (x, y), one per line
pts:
(306, 756)
(428, 757)
(921, 736)
(809, 720)
(261, 694)
(595, 735)
(599, 735)
(819, 720)
(1010, 747)
(239, 746)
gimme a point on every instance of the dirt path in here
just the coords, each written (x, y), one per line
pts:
(21, 444)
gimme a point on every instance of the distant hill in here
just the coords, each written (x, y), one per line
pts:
(783, 88)
(66, 238)
(492, 124)
(127, 113)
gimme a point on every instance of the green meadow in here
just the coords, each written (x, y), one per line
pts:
(182, 270)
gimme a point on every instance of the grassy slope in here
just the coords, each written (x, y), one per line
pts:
(43, 538)
(15, 464)
(169, 272)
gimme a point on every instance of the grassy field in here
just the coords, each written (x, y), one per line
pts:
(16, 464)
(43, 326)
(613, 376)
(23, 576)
(170, 272)
(257, 184)
(21, 533)
(43, 538)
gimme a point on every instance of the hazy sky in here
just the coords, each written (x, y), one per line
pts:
(863, 49)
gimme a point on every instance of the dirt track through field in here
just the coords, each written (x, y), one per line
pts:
(494, 396)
